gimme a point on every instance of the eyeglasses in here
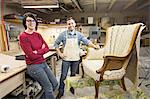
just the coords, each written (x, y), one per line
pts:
(30, 20)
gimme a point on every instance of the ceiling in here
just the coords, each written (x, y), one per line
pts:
(87, 6)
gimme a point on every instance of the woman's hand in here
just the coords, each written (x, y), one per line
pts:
(43, 46)
(35, 52)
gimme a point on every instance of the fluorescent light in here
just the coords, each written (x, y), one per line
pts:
(42, 6)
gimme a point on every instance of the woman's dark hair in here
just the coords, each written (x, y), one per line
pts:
(29, 15)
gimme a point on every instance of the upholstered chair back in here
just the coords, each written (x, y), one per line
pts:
(120, 39)
(119, 42)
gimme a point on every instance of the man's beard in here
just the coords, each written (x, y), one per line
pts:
(71, 29)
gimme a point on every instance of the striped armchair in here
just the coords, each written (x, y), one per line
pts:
(118, 58)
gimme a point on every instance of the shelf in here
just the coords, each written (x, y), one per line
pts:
(40, 24)
(13, 20)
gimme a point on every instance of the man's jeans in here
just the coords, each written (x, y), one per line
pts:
(43, 74)
(64, 71)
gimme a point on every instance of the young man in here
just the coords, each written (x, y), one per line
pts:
(71, 40)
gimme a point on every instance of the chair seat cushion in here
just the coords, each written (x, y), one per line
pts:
(114, 74)
(90, 67)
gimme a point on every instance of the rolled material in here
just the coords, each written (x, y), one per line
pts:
(4, 68)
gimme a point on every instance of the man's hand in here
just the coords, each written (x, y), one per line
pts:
(93, 45)
(83, 53)
(62, 55)
(96, 47)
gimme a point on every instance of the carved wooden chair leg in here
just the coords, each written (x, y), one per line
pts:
(72, 90)
(123, 84)
(82, 70)
(97, 83)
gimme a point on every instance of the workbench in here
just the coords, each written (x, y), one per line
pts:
(15, 76)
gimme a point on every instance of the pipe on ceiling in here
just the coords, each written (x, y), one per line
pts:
(76, 2)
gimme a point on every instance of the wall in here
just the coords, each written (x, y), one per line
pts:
(50, 33)
(0, 11)
(78, 16)
(149, 17)
(119, 17)
(3, 38)
(13, 29)
(10, 10)
(0, 28)
(7, 9)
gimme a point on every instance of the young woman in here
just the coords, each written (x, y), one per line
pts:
(34, 48)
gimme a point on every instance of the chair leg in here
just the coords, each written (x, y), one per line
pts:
(123, 84)
(97, 83)
(82, 70)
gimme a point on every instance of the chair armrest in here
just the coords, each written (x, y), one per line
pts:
(110, 63)
(94, 53)
(114, 58)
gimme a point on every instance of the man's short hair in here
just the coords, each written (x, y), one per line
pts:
(70, 18)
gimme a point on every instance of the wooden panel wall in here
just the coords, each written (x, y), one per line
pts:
(3, 39)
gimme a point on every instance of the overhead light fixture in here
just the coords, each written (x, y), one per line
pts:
(41, 6)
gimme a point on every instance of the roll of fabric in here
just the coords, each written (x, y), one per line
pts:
(4, 68)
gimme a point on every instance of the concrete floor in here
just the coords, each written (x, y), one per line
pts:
(90, 91)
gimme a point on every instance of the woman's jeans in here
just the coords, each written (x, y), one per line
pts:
(64, 71)
(43, 74)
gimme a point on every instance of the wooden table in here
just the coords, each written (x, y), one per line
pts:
(51, 59)
(15, 76)
(49, 56)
